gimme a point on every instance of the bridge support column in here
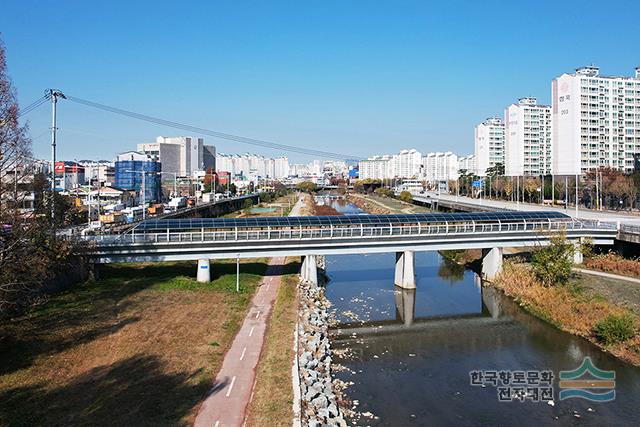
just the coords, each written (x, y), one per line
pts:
(405, 305)
(405, 276)
(491, 263)
(577, 253)
(303, 268)
(312, 269)
(204, 273)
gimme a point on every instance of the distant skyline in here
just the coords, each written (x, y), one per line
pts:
(358, 77)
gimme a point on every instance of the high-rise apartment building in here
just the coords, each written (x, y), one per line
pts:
(253, 166)
(527, 140)
(406, 164)
(489, 144)
(438, 167)
(595, 121)
(467, 164)
(376, 167)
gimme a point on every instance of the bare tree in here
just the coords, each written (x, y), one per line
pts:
(30, 254)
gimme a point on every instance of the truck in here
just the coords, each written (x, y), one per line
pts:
(155, 209)
(178, 202)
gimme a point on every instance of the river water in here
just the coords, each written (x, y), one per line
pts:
(410, 354)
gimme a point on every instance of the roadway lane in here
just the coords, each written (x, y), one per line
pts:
(227, 401)
(627, 219)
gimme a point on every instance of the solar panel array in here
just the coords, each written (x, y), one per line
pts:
(310, 221)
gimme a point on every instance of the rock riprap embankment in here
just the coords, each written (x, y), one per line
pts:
(318, 394)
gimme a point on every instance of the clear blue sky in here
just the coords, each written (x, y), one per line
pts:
(354, 77)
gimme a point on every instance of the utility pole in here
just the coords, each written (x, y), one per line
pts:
(566, 192)
(576, 195)
(144, 190)
(238, 273)
(53, 94)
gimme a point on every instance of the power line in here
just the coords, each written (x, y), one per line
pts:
(34, 105)
(215, 134)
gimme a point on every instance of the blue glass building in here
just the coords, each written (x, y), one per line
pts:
(129, 168)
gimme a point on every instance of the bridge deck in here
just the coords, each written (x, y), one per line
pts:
(254, 237)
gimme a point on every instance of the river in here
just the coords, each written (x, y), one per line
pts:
(410, 353)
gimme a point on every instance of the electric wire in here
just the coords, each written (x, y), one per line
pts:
(215, 134)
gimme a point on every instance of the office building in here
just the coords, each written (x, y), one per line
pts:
(68, 176)
(527, 144)
(595, 121)
(129, 170)
(181, 155)
(489, 144)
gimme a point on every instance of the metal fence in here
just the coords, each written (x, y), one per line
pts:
(346, 231)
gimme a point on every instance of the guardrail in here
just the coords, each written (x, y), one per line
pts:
(631, 229)
(333, 232)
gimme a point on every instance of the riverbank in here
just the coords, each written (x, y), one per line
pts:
(383, 205)
(273, 397)
(571, 308)
(137, 347)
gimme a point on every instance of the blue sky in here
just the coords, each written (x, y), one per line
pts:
(353, 77)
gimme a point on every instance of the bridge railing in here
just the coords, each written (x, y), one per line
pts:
(335, 231)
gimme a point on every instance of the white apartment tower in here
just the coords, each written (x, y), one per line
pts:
(439, 167)
(527, 144)
(467, 163)
(489, 144)
(595, 121)
(376, 167)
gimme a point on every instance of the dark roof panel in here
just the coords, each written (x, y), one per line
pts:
(196, 223)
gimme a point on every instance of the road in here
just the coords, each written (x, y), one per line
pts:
(228, 398)
(627, 219)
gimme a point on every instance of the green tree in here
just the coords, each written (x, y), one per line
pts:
(384, 192)
(405, 196)
(307, 186)
(552, 264)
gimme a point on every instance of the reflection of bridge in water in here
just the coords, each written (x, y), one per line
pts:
(406, 333)
(405, 302)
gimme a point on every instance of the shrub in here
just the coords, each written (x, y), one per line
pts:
(405, 196)
(615, 328)
(552, 264)
(614, 263)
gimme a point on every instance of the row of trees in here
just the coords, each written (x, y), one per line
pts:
(605, 187)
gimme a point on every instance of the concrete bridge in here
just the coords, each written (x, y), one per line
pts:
(203, 239)
(628, 224)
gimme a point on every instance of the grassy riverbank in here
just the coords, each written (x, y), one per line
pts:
(383, 205)
(137, 347)
(573, 307)
(273, 393)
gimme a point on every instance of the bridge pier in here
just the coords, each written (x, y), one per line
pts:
(577, 253)
(491, 263)
(405, 276)
(204, 272)
(309, 270)
(405, 305)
